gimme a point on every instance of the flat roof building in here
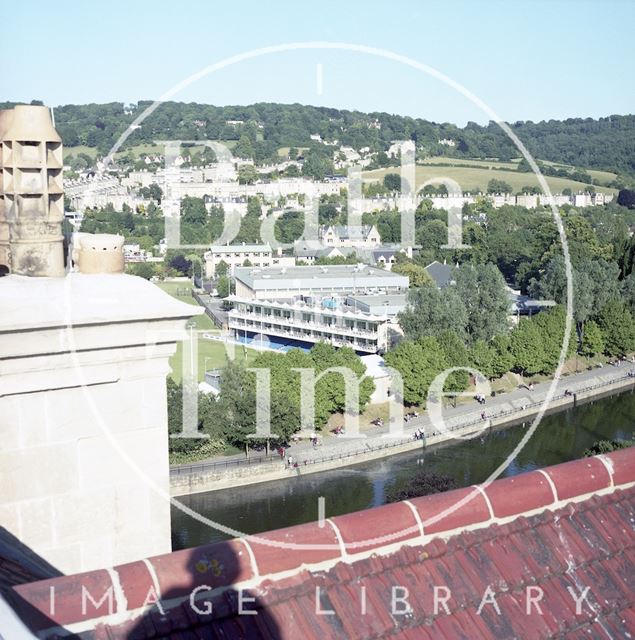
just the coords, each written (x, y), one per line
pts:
(300, 306)
(287, 282)
(382, 305)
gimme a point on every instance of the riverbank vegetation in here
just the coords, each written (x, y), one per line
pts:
(230, 420)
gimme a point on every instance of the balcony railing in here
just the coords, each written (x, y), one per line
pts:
(334, 328)
(307, 337)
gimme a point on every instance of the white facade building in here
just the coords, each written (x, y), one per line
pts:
(235, 255)
(308, 305)
(363, 237)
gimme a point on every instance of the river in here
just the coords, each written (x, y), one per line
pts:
(257, 508)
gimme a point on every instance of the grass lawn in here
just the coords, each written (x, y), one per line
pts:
(471, 179)
(180, 290)
(211, 353)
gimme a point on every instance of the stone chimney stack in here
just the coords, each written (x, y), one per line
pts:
(32, 206)
(6, 115)
(84, 470)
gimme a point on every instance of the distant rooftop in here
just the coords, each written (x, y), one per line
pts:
(393, 299)
(234, 248)
(336, 276)
(440, 273)
(345, 232)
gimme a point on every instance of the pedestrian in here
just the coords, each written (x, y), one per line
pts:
(483, 415)
(290, 461)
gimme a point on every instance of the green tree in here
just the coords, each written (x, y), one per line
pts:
(502, 357)
(626, 198)
(330, 390)
(628, 291)
(481, 357)
(244, 148)
(142, 269)
(607, 446)
(417, 275)
(418, 362)
(498, 186)
(618, 327)
(289, 227)
(237, 404)
(317, 164)
(593, 340)
(527, 347)
(193, 211)
(483, 291)
(247, 174)
(456, 355)
(431, 234)
(430, 312)
(392, 182)
(222, 268)
(551, 325)
(209, 421)
(223, 286)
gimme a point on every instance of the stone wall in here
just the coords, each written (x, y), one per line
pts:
(83, 416)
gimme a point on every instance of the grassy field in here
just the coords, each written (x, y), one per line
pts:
(596, 174)
(472, 179)
(486, 164)
(283, 152)
(600, 176)
(211, 353)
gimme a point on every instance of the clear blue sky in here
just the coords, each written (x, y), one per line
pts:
(527, 59)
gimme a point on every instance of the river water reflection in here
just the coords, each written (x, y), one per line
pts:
(272, 505)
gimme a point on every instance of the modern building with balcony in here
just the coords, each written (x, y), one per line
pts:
(301, 306)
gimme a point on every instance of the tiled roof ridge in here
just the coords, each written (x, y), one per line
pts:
(348, 577)
(439, 546)
(276, 555)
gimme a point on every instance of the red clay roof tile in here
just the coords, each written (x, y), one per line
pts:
(589, 542)
(579, 477)
(274, 558)
(439, 512)
(379, 527)
(519, 494)
(622, 465)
